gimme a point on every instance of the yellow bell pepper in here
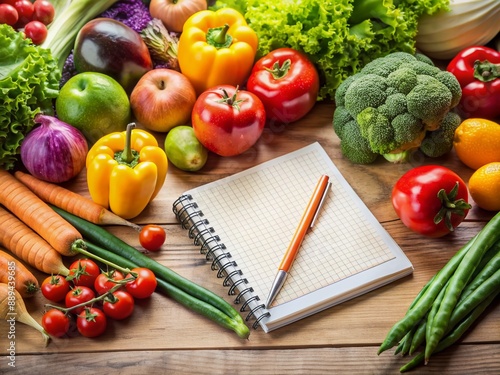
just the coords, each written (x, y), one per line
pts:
(216, 48)
(125, 171)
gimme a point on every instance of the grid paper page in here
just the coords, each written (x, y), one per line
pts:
(256, 212)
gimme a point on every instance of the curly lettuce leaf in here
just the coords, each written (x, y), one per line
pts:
(29, 81)
(340, 37)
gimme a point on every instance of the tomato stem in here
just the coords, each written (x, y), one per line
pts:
(279, 71)
(79, 247)
(449, 206)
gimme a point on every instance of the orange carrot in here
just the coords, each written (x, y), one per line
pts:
(16, 272)
(25, 244)
(37, 214)
(72, 202)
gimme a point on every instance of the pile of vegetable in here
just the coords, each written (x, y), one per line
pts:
(395, 105)
(340, 37)
(40, 234)
(452, 300)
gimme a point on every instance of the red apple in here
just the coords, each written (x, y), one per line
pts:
(162, 99)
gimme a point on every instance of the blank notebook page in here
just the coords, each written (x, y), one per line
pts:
(256, 212)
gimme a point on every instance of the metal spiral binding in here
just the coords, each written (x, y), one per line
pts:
(204, 236)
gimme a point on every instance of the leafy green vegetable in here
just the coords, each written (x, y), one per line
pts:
(341, 36)
(29, 81)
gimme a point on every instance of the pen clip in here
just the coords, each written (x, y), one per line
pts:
(321, 202)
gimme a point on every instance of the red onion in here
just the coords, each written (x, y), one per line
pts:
(54, 151)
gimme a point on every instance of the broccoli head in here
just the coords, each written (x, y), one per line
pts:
(393, 106)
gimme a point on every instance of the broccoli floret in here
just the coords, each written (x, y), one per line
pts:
(354, 147)
(341, 117)
(367, 91)
(450, 81)
(429, 101)
(404, 80)
(439, 142)
(394, 101)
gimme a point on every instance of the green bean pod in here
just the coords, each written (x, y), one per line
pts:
(425, 301)
(485, 271)
(453, 336)
(461, 277)
(418, 337)
(177, 294)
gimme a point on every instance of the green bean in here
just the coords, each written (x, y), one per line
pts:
(418, 337)
(485, 239)
(424, 302)
(453, 336)
(435, 308)
(409, 337)
(485, 271)
(177, 294)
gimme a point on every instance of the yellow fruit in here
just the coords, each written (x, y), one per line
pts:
(484, 186)
(477, 142)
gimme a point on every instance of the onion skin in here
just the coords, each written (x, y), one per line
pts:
(54, 151)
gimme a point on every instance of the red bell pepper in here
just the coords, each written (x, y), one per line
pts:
(478, 71)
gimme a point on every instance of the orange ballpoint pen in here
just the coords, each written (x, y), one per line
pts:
(306, 222)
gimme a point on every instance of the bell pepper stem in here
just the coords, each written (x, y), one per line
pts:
(486, 71)
(218, 37)
(127, 155)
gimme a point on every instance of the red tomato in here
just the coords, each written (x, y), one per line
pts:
(422, 197)
(36, 31)
(8, 14)
(43, 11)
(55, 322)
(55, 288)
(286, 82)
(228, 121)
(25, 11)
(91, 322)
(104, 282)
(119, 306)
(152, 237)
(78, 295)
(144, 285)
(84, 272)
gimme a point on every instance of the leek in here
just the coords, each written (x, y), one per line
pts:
(70, 17)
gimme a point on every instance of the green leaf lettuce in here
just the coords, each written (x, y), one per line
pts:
(340, 36)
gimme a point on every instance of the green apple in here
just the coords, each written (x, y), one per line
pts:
(184, 150)
(95, 104)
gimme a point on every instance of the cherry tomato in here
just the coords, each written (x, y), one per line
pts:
(78, 295)
(8, 14)
(422, 196)
(55, 288)
(287, 83)
(91, 322)
(43, 11)
(25, 10)
(144, 285)
(119, 305)
(55, 323)
(104, 282)
(152, 237)
(84, 272)
(36, 31)
(228, 121)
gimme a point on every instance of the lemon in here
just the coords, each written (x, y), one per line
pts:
(484, 186)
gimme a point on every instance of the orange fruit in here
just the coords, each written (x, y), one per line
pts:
(477, 142)
(484, 185)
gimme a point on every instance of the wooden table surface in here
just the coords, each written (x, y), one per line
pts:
(163, 337)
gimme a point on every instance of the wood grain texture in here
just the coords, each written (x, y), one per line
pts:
(164, 337)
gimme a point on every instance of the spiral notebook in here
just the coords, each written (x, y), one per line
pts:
(243, 224)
